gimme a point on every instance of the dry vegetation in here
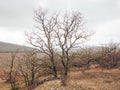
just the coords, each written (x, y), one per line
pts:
(93, 79)
(83, 76)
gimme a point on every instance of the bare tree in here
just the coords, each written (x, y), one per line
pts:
(84, 57)
(69, 35)
(13, 71)
(62, 32)
(29, 68)
(109, 55)
(43, 38)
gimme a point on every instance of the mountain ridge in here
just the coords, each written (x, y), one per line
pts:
(10, 47)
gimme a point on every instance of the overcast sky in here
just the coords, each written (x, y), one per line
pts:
(101, 16)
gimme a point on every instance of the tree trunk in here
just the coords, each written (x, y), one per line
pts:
(65, 73)
(54, 69)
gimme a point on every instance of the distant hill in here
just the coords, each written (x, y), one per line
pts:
(8, 47)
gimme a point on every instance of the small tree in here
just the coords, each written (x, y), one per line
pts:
(70, 35)
(29, 68)
(13, 71)
(109, 55)
(43, 38)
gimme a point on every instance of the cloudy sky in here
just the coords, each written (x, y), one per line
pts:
(101, 16)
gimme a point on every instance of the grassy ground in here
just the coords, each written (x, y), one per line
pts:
(94, 79)
(3, 85)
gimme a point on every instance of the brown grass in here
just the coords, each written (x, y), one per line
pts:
(93, 79)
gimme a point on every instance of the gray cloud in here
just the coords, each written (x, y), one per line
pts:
(103, 16)
(94, 10)
(17, 13)
(20, 12)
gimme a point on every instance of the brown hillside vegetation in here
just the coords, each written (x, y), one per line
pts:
(88, 70)
(93, 79)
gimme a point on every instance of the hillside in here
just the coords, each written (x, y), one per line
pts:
(8, 47)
